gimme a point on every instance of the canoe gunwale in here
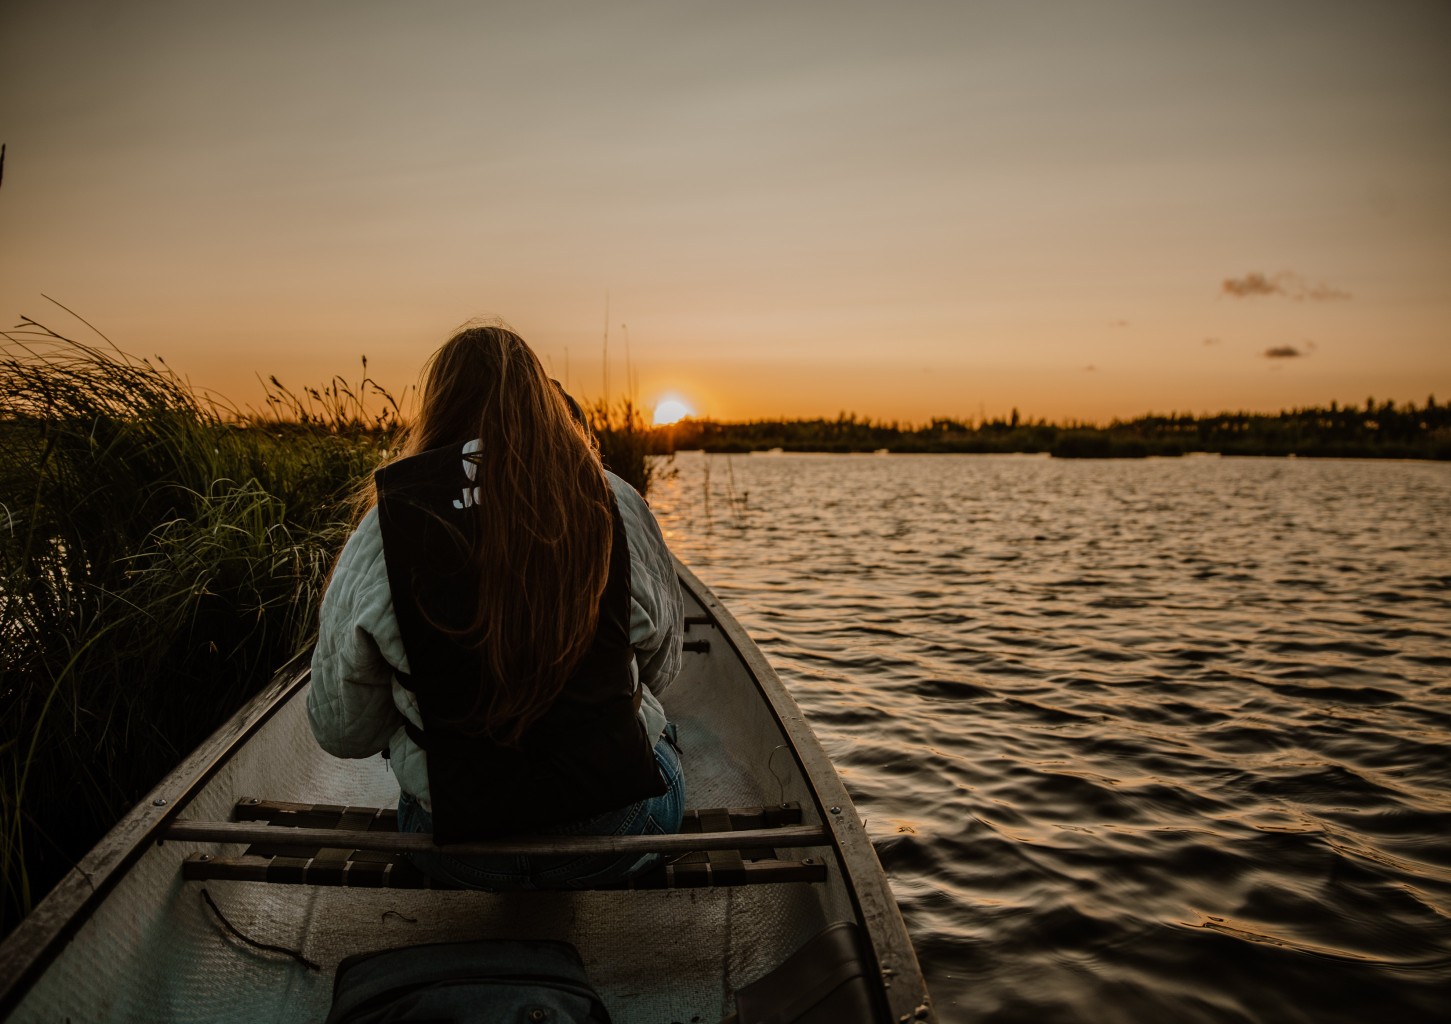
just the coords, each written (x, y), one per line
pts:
(866, 882)
(43, 933)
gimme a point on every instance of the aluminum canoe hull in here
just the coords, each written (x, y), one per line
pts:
(124, 937)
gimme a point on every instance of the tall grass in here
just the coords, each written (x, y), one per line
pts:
(627, 444)
(159, 558)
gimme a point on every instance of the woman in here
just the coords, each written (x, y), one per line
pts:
(500, 624)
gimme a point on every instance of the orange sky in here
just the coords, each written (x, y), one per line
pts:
(903, 210)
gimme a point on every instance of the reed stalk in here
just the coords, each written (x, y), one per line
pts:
(627, 444)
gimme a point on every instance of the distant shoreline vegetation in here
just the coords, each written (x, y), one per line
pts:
(1374, 430)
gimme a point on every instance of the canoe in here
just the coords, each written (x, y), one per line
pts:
(234, 890)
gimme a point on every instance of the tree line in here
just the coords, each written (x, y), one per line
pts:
(1377, 429)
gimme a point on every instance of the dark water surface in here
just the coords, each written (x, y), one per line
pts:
(1163, 740)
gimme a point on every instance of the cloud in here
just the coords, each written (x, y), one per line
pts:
(1253, 283)
(1285, 283)
(1284, 352)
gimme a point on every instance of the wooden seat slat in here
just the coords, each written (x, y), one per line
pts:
(417, 842)
(385, 819)
(370, 869)
(335, 845)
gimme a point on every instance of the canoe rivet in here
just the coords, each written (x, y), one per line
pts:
(808, 860)
(159, 802)
(204, 857)
(836, 810)
(922, 1012)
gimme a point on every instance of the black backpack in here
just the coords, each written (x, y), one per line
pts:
(484, 982)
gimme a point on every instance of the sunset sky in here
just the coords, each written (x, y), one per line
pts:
(907, 209)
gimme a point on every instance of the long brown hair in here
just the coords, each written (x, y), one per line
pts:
(544, 521)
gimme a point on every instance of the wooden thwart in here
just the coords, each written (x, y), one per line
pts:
(529, 846)
(322, 844)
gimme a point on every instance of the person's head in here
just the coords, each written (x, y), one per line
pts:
(486, 382)
(544, 522)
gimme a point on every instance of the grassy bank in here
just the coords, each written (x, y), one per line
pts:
(159, 561)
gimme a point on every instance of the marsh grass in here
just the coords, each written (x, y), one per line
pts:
(628, 447)
(160, 556)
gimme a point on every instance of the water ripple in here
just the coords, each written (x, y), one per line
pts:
(1135, 741)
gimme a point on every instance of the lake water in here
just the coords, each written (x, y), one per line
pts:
(1135, 740)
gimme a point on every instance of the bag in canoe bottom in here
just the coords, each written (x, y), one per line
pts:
(483, 982)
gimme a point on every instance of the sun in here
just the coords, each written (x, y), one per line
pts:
(671, 410)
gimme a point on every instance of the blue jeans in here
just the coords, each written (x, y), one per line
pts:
(654, 816)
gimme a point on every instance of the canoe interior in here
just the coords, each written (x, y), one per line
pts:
(153, 950)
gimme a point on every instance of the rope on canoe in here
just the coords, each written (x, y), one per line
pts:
(295, 954)
(771, 767)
